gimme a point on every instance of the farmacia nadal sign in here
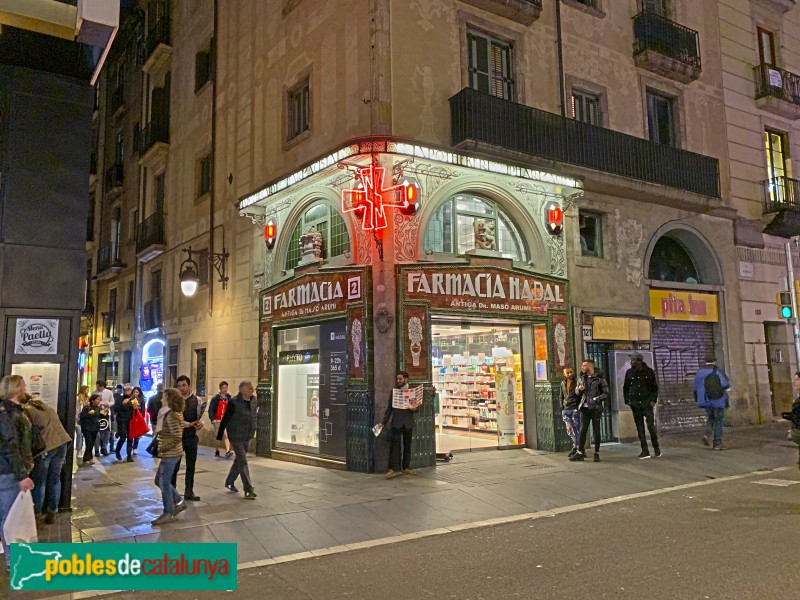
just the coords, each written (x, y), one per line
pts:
(312, 295)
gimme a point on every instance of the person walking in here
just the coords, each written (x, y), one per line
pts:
(192, 423)
(123, 410)
(154, 406)
(102, 444)
(711, 393)
(106, 394)
(640, 392)
(593, 392)
(170, 449)
(47, 467)
(239, 424)
(16, 460)
(82, 401)
(90, 425)
(402, 430)
(216, 411)
(138, 401)
(569, 408)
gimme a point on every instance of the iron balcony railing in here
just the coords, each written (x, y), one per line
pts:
(653, 32)
(156, 130)
(107, 257)
(479, 117)
(157, 34)
(117, 99)
(114, 177)
(781, 193)
(775, 82)
(150, 232)
(151, 314)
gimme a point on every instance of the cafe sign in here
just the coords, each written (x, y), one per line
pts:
(485, 288)
(671, 305)
(36, 336)
(312, 295)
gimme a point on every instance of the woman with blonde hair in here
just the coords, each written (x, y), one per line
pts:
(83, 401)
(170, 450)
(16, 460)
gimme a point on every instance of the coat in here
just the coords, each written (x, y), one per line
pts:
(153, 406)
(595, 392)
(569, 399)
(400, 418)
(170, 436)
(239, 419)
(700, 388)
(90, 418)
(15, 441)
(47, 420)
(123, 411)
(640, 387)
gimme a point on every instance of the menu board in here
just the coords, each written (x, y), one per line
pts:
(332, 387)
(41, 381)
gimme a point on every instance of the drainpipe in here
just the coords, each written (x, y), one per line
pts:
(560, 52)
(213, 195)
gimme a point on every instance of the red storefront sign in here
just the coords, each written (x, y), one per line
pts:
(312, 295)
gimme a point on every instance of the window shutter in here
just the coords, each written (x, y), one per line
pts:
(479, 63)
(501, 70)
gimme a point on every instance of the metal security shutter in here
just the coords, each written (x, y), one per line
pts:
(679, 350)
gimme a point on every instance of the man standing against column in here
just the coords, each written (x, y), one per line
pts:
(239, 422)
(192, 423)
(402, 430)
(640, 391)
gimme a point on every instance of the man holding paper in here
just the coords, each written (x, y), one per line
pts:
(402, 405)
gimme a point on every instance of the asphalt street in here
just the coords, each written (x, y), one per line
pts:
(724, 540)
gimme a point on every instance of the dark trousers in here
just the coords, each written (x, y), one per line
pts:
(590, 416)
(642, 413)
(190, 452)
(239, 466)
(400, 436)
(122, 432)
(90, 437)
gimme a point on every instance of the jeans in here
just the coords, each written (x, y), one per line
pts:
(714, 425)
(400, 436)
(102, 442)
(91, 437)
(46, 477)
(239, 467)
(122, 431)
(572, 420)
(640, 414)
(590, 416)
(169, 494)
(9, 489)
(190, 451)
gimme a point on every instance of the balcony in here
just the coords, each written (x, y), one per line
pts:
(150, 239)
(114, 180)
(782, 204)
(158, 47)
(665, 47)
(481, 119)
(151, 315)
(524, 12)
(108, 263)
(777, 91)
(117, 100)
(778, 6)
(154, 140)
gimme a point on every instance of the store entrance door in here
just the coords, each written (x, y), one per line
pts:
(477, 372)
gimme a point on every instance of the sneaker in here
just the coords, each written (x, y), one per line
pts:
(97, 455)
(408, 472)
(135, 452)
(231, 488)
(719, 447)
(657, 452)
(216, 453)
(572, 453)
(251, 495)
(191, 496)
(179, 508)
(118, 455)
(644, 454)
(596, 457)
(49, 518)
(104, 452)
(162, 520)
(129, 459)
(229, 453)
(391, 474)
(88, 463)
(577, 457)
(706, 441)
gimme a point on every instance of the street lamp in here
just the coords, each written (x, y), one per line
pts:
(189, 272)
(189, 277)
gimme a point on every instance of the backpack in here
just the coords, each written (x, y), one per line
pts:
(38, 447)
(713, 386)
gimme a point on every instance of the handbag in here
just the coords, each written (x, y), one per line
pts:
(138, 427)
(152, 449)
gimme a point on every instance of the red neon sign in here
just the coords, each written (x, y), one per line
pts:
(270, 234)
(370, 198)
(555, 218)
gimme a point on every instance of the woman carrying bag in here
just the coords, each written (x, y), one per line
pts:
(16, 460)
(169, 440)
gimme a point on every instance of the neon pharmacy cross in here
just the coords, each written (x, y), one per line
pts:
(371, 198)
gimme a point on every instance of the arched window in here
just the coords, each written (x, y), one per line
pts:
(329, 223)
(451, 229)
(670, 261)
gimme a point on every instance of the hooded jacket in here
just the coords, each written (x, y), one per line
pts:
(46, 419)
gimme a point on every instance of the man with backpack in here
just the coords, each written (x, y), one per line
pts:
(710, 392)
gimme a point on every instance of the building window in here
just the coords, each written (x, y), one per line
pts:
(661, 119)
(204, 176)
(490, 66)
(137, 139)
(133, 219)
(299, 107)
(779, 166)
(202, 69)
(119, 148)
(766, 47)
(329, 223)
(130, 299)
(459, 220)
(670, 261)
(200, 372)
(116, 228)
(659, 7)
(155, 284)
(172, 366)
(586, 107)
(591, 232)
(160, 192)
(110, 318)
(90, 220)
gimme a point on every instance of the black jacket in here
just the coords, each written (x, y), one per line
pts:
(15, 441)
(239, 419)
(401, 418)
(191, 413)
(595, 393)
(90, 418)
(123, 412)
(570, 400)
(640, 387)
(153, 407)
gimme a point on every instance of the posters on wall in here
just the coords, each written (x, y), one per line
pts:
(36, 336)
(505, 384)
(41, 380)
(332, 383)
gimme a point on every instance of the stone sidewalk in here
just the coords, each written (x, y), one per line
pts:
(301, 508)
